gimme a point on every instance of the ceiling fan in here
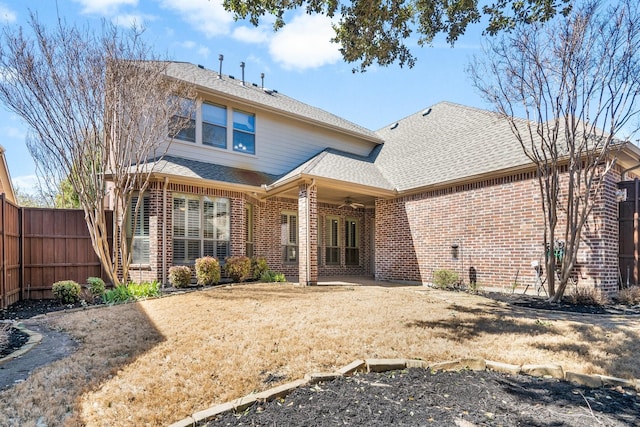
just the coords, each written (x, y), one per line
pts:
(351, 203)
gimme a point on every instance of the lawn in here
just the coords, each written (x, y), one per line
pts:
(157, 361)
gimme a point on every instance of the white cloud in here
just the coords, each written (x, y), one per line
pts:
(131, 20)
(202, 50)
(7, 15)
(104, 7)
(252, 34)
(14, 132)
(25, 183)
(208, 17)
(304, 43)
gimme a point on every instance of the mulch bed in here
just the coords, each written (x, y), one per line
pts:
(542, 303)
(416, 397)
(16, 339)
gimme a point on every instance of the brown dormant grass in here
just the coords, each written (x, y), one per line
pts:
(160, 360)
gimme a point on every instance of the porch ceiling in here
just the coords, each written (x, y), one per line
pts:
(335, 196)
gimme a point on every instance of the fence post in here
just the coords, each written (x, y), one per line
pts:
(21, 249)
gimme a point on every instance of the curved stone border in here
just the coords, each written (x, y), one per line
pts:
(382, 365)
(34, 339)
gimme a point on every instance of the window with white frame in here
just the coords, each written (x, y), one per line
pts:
(352, 245)
(182, 125)
(214, 125)
(289, 236)
(138, 229)
(332, 241)
(244, 132)
(201, 227)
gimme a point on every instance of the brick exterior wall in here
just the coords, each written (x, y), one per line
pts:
(498, 225)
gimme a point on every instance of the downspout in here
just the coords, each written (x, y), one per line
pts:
(164, 231)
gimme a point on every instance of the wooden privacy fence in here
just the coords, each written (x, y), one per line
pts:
(41, 246)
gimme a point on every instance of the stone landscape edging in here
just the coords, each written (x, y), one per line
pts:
(34, 339)
(383, 365)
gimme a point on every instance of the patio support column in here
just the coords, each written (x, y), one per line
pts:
(307, 234)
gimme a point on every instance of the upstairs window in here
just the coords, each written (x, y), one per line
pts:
(244, 132)
(214, 125)
(182, 125)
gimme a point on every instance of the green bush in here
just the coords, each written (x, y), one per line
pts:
(272, 276)
(207, 271)
(144, 290)
(180, 276)
(238, 268)
(118, 294)
(445, 278)
(279, 277)
(259, 267)
(96, 286)
(66, 291)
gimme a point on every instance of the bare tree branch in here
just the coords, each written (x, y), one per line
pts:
(576, 82)
(98, 104)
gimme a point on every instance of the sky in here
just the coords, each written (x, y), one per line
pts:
(298, 60)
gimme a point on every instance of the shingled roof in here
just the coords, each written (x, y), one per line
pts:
(341, 166)
(185, 168)
(265, 99)
(446, 143)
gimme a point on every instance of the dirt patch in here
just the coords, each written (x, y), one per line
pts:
(420, 397)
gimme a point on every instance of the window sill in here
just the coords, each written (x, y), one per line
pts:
(140, 267)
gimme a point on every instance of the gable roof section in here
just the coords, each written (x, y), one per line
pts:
(267, 100)
(340, 166)
(192, 169)
(452, 142)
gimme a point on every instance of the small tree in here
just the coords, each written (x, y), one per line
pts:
(576, 80)
(97, 104)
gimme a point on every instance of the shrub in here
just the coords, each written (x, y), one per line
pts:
(445, 278)
(629, 296)
(583, 295)
(67, 291)
(96, 286)
(272, 276)
(207, 271)
(259, 267)
(180, 276)
(279, 277)
(118, 294)
(238, 268)
(144, 290)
